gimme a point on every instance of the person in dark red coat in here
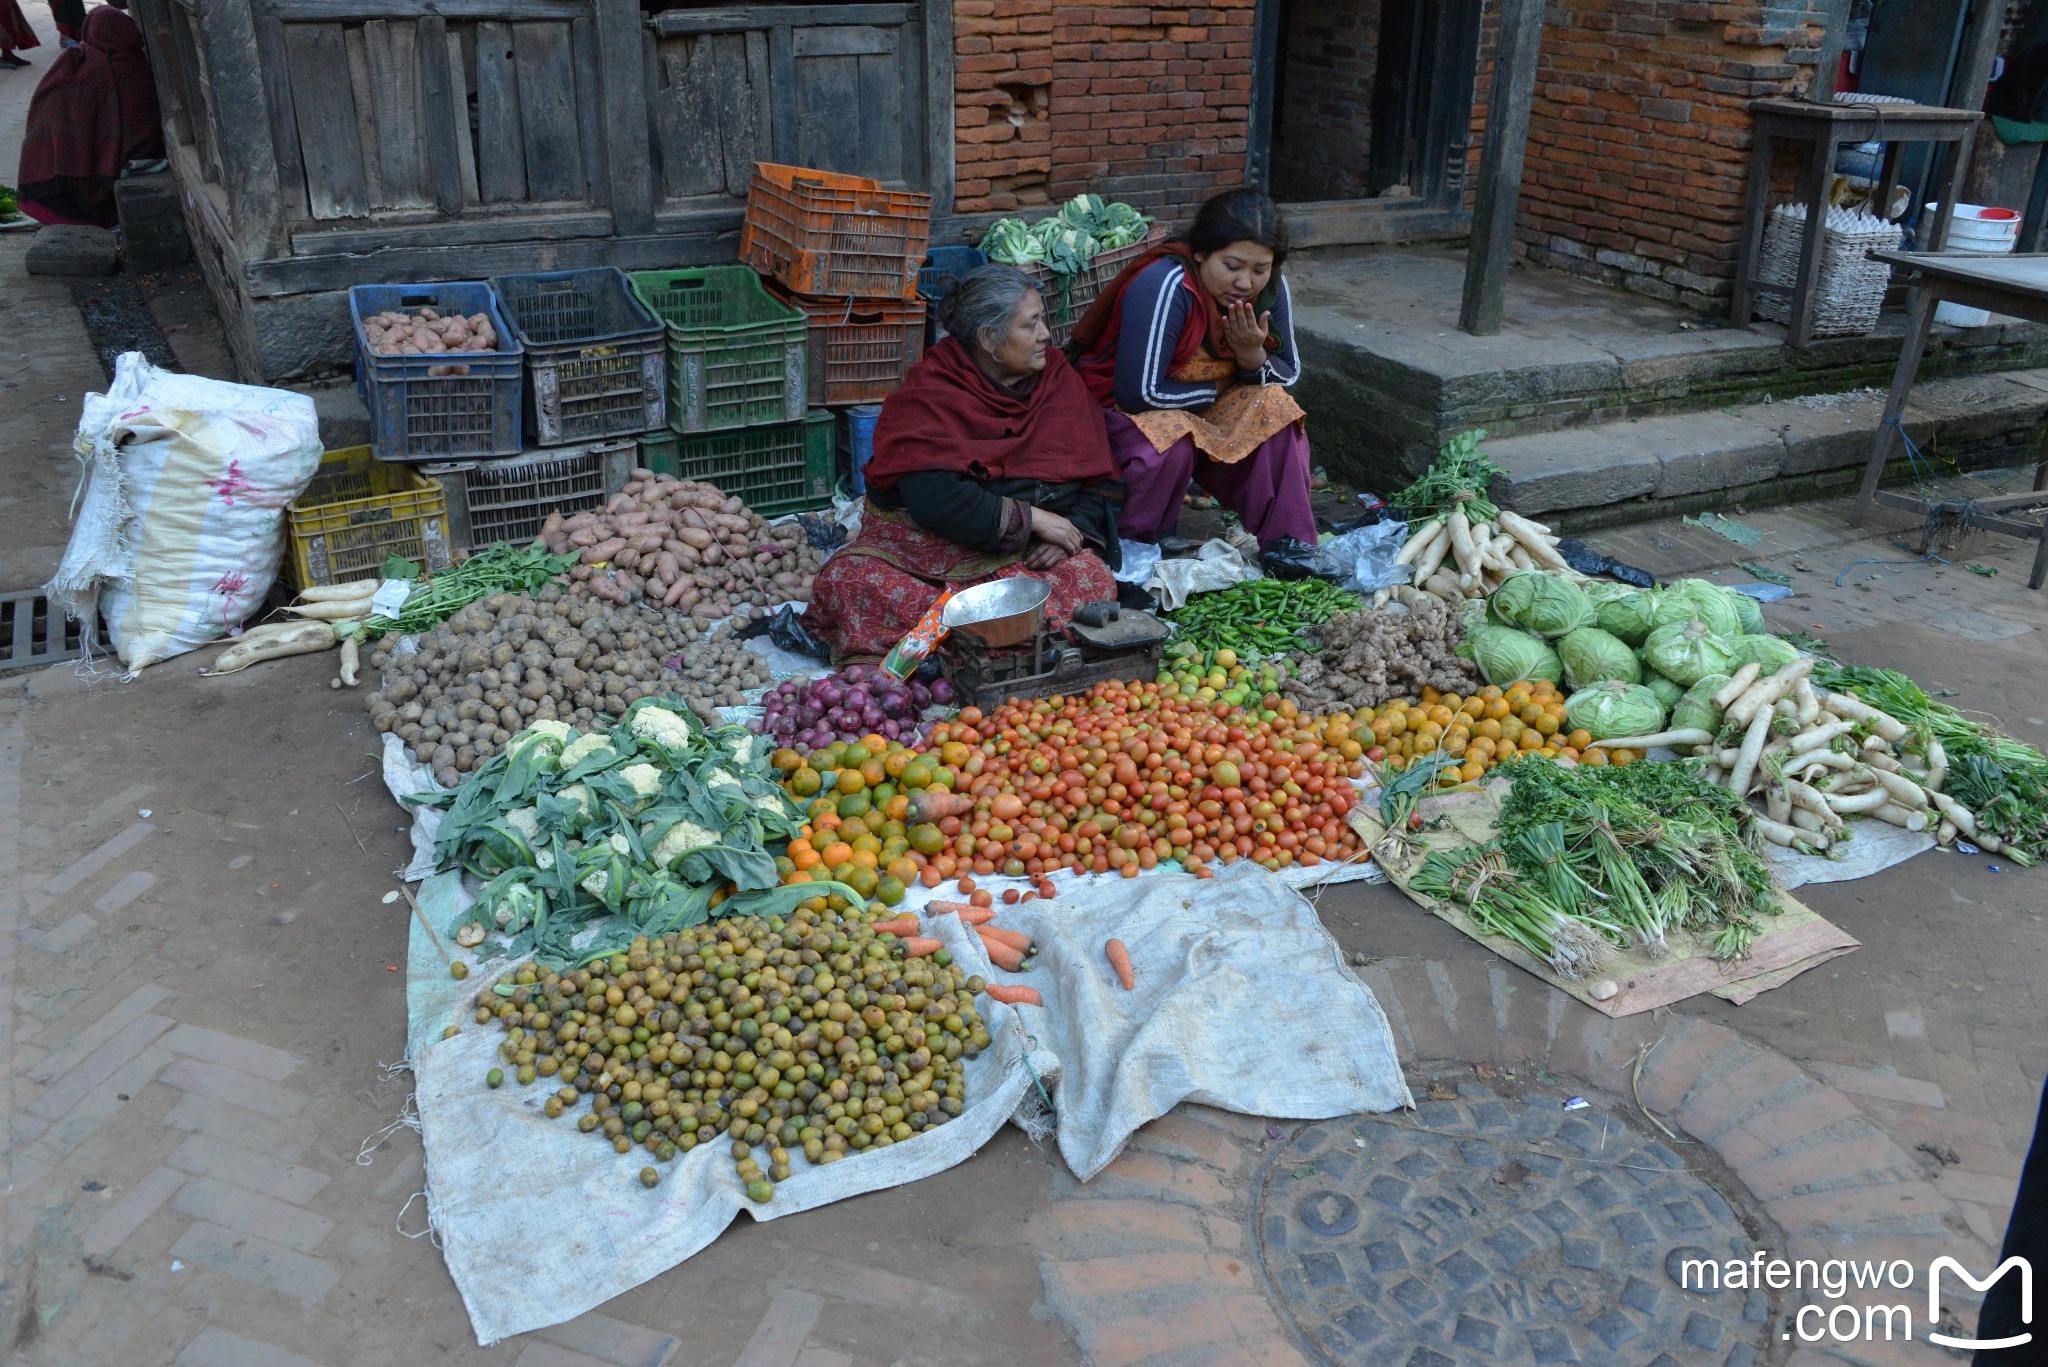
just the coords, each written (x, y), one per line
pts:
(991, 462)
(95, 111)
(14, 33)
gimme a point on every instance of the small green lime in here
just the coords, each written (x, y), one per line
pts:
(649, 1177)
(458, 970)
(495, 1078)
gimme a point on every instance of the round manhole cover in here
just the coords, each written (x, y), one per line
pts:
(1501, 1228)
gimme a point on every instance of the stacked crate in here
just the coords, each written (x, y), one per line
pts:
(845, 252)
(576, 367)
(739, 390)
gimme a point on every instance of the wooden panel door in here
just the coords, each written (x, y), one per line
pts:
(400, 120)
(838, 87)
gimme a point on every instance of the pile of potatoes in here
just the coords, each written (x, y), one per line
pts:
(428, 333)
(506, 661)
(678, 543)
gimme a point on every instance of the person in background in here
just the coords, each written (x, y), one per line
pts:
(70, 17)
(1191, 349)
(991, 462)
(14, 33)
(94, 112)
(2000, 1319)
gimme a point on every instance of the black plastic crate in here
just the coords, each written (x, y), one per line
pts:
(594, 354)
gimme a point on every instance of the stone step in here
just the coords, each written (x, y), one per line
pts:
(1388, 377)
(1626, 469)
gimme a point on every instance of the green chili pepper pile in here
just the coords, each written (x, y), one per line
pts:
(1263, 617)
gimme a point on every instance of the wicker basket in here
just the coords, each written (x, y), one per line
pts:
(1850, 291)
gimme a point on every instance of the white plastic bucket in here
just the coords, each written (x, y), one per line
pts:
(1983, 229)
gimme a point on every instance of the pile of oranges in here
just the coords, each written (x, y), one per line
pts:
(1491, 727)
(1116, 780)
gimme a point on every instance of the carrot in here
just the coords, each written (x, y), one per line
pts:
(919, 946)
(1120, 960)
(1015, 939)
(969, 915)
(905, 924)
(1014, 995)
(936, 804)
(1002, 955)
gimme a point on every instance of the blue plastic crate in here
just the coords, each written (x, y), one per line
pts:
(857, 442)
(939, 277)
(418, 415)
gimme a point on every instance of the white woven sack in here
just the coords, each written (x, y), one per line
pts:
(181, 526)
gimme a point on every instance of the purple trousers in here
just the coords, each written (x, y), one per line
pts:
(1268, 489)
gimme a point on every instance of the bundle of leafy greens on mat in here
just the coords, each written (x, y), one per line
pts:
(648, 827)
(1584, 857)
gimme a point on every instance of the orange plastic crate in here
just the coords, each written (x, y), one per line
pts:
(860, 349)
(823, 233)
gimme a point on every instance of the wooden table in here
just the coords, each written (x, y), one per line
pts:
(2014, 285)
(1825, 129)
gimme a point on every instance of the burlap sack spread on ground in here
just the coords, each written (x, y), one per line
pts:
(1242, 1002)
(1795, 940)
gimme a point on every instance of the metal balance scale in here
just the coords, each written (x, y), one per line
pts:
(997, 648)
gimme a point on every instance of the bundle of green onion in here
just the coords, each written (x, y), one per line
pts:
(1583, 856)
(2003, 781)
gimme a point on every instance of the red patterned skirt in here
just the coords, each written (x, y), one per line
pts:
(869, 595)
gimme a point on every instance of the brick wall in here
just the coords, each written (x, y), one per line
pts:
(1144, 103)
(1323, 134)
(1639, 140)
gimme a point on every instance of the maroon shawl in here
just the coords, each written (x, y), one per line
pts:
(950, 416)
(94, 111)
(15, 33)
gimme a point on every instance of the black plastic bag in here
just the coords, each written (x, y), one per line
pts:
(1289, 558)
(785, 627)
(1586, 560)
(821, 531)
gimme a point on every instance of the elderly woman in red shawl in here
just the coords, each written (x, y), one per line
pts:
(991, 462)
(95, 111)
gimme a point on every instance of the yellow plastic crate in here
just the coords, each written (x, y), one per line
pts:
(359, 510)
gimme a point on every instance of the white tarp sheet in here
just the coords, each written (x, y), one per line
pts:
(1210, 956)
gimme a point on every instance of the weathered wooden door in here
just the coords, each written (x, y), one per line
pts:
(836, 87)
(493, 112)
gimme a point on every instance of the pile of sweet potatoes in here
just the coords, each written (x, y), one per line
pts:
(685, 545)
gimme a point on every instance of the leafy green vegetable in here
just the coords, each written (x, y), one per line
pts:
(499, 569)
(634, 830)
(1586, 854)
(1070, 240)
(1458, 475)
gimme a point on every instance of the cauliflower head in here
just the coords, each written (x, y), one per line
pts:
(643, 779)
(548, 726)
(583, 747)
(661, 726)
(680, 839)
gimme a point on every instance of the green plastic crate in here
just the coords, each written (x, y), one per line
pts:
(736, 356)
(783, 468)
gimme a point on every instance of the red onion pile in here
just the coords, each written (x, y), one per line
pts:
(860, 700)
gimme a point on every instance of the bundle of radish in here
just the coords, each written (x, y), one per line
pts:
(681, 544)
(1460, 545)
(1459, 556)
(1813, 759)
(327, 613)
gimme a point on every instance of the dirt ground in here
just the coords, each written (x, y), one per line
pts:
(201, 1008)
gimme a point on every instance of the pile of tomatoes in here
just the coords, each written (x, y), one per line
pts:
(1114, 780)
